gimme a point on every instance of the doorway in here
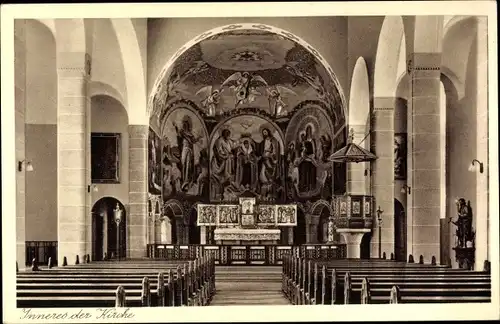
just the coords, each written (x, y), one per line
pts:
(194, 229)
(299, 231)
(399, 231)
(106, 239)
(365, 245)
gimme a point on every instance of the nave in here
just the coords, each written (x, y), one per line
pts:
(200, 282)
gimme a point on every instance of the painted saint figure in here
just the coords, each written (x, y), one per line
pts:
(268, 155)
(186, 141)
(246, 164)
(222, 165)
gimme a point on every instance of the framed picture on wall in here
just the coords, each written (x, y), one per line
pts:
(206, 215)
(266, 215)
(105, 157)
(228, 215)
(400, 148)
(286, 215)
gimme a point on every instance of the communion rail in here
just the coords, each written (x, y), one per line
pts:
(247, 254)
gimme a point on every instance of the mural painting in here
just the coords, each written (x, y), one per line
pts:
(154, 163)
(248, 111)
(309, 144)
(400, 148)
(184, 154)
(246, 155)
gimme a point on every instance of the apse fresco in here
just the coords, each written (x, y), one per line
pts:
(246, 155)
(248, 111)
(154, 166)
(184, 154)
(309, 144)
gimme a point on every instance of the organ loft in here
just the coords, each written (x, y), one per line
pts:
(252, 141)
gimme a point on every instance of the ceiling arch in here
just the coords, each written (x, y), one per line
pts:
(387, 57)
(266, 49)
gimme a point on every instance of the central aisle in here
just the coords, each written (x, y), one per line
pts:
(248, 285)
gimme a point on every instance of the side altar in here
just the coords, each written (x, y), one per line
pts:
(248, 222)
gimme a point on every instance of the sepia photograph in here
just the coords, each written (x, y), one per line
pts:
(305, 161)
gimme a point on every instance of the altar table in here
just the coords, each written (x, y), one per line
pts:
(232, 236)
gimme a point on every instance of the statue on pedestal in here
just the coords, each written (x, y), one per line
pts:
(464, 223)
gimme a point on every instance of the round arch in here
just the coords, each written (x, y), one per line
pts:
(252, 26)
(359, 101)
(135, 80)
(175, 206)
(387, 57)
(97, 88)
(108, 237)
(318, 206)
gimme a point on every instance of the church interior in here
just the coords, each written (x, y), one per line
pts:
(253, 141)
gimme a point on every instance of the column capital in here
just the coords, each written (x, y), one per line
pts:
(384, 103)
(138, 131)
(73, 64)
(425, 64)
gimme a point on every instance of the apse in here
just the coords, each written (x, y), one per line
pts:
(245, 110)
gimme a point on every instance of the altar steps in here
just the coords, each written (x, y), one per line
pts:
(251, 285)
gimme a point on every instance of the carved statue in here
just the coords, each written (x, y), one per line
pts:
(463, 223)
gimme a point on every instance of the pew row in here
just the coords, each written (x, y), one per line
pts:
(308, 282)
(134, 284)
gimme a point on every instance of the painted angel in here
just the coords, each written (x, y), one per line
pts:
(244, 86)
(275, 97)
(211, 98)
(176, 86)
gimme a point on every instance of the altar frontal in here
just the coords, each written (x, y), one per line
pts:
(247, 222)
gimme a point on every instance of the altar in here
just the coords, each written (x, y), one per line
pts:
(246, 236)
(247, 223)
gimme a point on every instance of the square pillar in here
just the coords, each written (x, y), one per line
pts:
(426, 168)
(137, 221)
(481, 210)
(356, 179)
(73, 147)
(383, 173)
(20, 110)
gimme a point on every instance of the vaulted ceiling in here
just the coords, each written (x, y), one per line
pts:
(271, 61)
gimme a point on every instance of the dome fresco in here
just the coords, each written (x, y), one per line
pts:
(245, 110)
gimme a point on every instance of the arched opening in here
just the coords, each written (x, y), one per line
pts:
(109, 237)
(299, 231)
(365, 246)
(322, 232)
(193, 228)
(399, 231)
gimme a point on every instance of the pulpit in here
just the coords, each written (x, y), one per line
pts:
(247, 223)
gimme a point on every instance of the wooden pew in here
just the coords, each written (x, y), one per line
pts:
(95, 285)
(416, 282)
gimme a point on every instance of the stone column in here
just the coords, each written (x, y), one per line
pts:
(73, 138)
(203, 235)
(352, 238)
(138, 191)
(105, 225)
(356, 179)
(481, 212)
(290, 235)
(314, 229)
(20, 109)
(426, 155)
(383, 172)
(179, 226)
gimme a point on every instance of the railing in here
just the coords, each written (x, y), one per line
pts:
(247, 254)
(41, 251)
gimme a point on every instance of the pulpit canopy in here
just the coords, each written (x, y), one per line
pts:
(352, 153)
